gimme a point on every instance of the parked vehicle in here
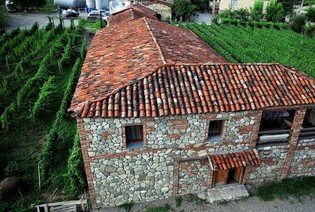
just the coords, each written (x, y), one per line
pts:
(70, 13)
(95, 15)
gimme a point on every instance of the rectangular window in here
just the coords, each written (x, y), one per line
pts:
(275, 126)
(134, 136)
(234, 3)
(215, 130)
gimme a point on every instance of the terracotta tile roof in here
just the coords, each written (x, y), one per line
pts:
(197, 89)
(124, 53)
(234, 160)
(131, 13)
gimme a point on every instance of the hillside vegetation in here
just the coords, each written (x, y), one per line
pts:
(247, 44)
(39, 69)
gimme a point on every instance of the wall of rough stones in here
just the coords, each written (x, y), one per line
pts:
(165, 11)
(193, 175)
(117, 174)
(303, 162)
(272, 161)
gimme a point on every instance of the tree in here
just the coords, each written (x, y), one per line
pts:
(274, 11)
(183, 8)
(310, 14)
(25, 4)
(298, 23)
(256, 12)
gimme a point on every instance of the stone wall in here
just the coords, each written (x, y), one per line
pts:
(303, 162)
(117, 175)
(164, 10)
(193, 176)
(273, 158)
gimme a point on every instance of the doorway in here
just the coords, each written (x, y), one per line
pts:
(228, 176)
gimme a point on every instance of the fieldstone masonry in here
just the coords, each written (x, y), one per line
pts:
(170, 162)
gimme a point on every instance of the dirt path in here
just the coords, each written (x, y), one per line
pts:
(251, 204)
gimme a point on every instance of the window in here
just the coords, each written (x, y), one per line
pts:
(134, 136)
(234, 3)
(275, 126)
(215, 130)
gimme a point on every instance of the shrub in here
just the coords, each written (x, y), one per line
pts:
(310, 14)
(256, 13)
(165, 208)
(309, 31)
(274, 11)
(298, 23)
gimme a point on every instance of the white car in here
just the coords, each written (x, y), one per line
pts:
(95, 15)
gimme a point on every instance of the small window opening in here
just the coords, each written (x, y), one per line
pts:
(215, 130)
(134, 136)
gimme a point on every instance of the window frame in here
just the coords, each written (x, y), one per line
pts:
(219, 136)
(142, 133)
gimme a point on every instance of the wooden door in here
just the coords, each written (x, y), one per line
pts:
(220, 177)
(238, 174)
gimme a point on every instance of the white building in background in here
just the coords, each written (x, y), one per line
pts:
(220, 5)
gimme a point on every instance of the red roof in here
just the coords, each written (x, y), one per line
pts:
(234, 160)
(127, 52)
(130, 13)
(196, 89)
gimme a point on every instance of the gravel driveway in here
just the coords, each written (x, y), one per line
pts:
(26, 20)
(251, 204)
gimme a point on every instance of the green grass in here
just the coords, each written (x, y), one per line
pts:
(127, 206)
(164, 208)
(297, 187)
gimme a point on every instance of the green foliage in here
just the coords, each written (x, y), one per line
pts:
(274, 11)
(183, 8)
(30, 3)
(75, 170)
(298, 23)
(44, 104)
(256, 12)
(309, 31)
(240, 14)
(165, 208)
(127, 206)
(251, 44)
(298, 187)
(178, 201)
(310, 14)
(34, 87)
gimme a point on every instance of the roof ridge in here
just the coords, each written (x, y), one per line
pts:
(155, 41)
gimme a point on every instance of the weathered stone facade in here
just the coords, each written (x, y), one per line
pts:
(162, 9)
(173, 160)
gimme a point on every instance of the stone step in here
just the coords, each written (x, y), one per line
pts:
(227, 193)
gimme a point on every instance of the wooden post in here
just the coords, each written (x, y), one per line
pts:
(39, 180)
(6, 59)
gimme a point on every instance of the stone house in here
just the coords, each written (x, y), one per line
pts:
(160, 113)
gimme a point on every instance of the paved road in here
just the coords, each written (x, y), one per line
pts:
(26, 20)
(252, 204)
(203, 17)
